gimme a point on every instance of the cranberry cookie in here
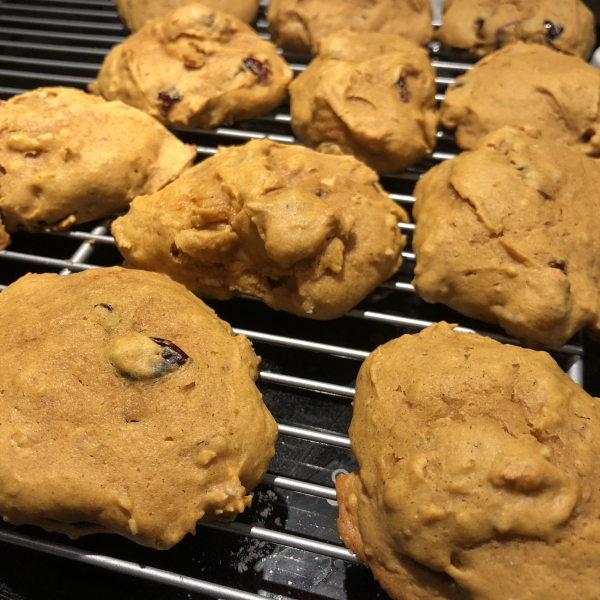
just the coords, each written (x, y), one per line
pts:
(508, 233)
(477, 472)
(308, 233)
(371, 95)
(126, 406)
(195, 67)
(68, 157)
(482, 26)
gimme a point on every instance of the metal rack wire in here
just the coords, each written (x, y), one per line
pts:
(287, 544)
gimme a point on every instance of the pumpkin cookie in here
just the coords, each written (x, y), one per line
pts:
(136, 12)
(308, 233)
(477, 472)
(371, 95)
(126, 406)
(68, 157)
(507, 233)
(195, 67)
(482, 26)
(529, 86)
(299, 25)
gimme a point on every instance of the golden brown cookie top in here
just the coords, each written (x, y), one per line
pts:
(529, 86)
(195, 67)
(135, 13)
(368, 94)
(483, 26)
(478, 460)
(305, 232)
(127, 406)
(521, 216)
(57, 146)
(299, 25)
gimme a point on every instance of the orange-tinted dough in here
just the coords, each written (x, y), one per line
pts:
(371, 95)
(306, 232)
(507, 233)
(136, 12)
(68, 157)
(126, 406)
(529, 86)
(477, 472)
(482, 26)
(195, 67)
(299, 25)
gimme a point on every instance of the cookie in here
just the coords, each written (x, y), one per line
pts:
(529, 86)
(126, 406)
(57, 148)
(507, 233)
(136, 12)
(371, 95)
(195, 67)
(299, 25)
(483, 26)
(477, 472)
(305, 232)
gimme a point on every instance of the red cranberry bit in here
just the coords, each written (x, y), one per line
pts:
(558, 265)
(172, 354)
(401, 85)
(257, 68)
(168, 98)
(553, 30)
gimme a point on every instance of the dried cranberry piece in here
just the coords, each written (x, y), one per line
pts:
(479, 27)
(401, 85)
(108, 307)
(558, 265)
(553, 30)
(257, 68)
(169, 98)
(172, 354)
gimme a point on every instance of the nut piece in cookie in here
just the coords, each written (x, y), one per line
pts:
(195, 67)
(69, 157)
(482, 26)
(308, 233)
(371, 95)
(136, 12)
(542, 91)
(507, 233)
(126, 406)
(477, 472)
(299, 25)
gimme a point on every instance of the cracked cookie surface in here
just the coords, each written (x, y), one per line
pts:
(371, 95)
(477, 472)
(507, 233)
(195, 67)
(305, 232)
(544, 92)
(68, 157)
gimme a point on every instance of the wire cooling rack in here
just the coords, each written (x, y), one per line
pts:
(286, 545)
